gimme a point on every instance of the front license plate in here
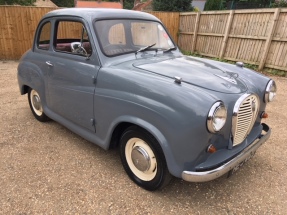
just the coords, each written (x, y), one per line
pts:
(237, 167)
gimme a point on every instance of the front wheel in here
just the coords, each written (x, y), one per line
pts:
(36, 105)
(143, 159)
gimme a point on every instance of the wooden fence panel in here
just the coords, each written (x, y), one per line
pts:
(253, 36)
(209, 45)
(281, 28)
(185, 40)
(17, 29)
(277, 55)
(212, 23)
(187, 25)
(187, 22)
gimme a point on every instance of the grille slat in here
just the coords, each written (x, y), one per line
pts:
(244, 117)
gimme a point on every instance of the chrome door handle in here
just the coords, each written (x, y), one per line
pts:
(49, 63)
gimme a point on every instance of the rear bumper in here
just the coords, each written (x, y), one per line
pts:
(215, 173)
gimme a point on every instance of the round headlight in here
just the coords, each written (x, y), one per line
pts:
(216, 117)
(270, 91)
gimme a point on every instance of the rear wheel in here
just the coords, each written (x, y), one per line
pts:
(143, 159)
(36, 105)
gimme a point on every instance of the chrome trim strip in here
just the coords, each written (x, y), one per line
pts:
(235, 112)
(268, 90)
(216, 173)
(255, 113)
(239, 64)
(210, 116)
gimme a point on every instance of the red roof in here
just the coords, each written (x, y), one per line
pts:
(94, 4)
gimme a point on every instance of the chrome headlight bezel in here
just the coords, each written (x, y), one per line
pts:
(270, 91)
(218, 110)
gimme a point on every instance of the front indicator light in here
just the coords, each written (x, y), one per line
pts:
(211, 149)
(264, 115)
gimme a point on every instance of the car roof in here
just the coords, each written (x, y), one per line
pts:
(100, 13)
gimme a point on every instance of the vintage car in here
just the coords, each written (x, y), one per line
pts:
(116, 78)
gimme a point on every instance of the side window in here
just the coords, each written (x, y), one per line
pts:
(44, 36)
(72, 38)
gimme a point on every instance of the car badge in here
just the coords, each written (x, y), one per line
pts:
(229, 79)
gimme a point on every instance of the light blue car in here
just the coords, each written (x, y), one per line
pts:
(116, 78)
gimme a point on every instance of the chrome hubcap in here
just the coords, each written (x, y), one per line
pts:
(140, 158)
(36, 102)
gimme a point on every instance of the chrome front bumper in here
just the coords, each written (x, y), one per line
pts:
(216, 173)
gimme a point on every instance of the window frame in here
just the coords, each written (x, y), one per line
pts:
(55, 34)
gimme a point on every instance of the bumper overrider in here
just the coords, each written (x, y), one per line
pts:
(223, 169)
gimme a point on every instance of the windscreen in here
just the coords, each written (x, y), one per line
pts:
(117, 37)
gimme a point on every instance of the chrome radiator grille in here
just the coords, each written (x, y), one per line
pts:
(244, 115)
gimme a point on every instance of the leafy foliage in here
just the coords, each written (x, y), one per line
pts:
(213, 5)
(172, 5)
(63, 3)
(279, 3)
(17, 2)
(128, 4)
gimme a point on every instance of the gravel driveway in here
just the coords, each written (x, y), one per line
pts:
(46, 169)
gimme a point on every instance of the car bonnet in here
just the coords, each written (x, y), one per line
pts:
(195, 72)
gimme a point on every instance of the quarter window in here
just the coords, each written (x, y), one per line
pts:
(44, 38)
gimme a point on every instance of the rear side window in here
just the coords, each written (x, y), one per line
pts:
(44, 36)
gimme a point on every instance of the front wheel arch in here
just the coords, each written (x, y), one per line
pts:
(121, 123)
(24, 89)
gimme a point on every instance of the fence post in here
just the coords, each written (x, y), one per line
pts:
(195, 31)
(226, 34)
(269, 39)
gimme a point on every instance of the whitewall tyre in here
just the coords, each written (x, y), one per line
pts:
(143, 159)
(36, 105)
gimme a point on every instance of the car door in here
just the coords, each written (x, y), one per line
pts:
(71, 73)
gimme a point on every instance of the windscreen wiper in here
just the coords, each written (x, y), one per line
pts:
(169, 49)
(144, 48)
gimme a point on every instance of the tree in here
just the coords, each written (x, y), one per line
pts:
(279, 3)
(128, 4)
(17, 2)
(64, 3)
(172, 5)
(213, 5)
